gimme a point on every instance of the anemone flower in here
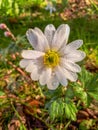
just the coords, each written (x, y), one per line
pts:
(50, 7)
(52, 61)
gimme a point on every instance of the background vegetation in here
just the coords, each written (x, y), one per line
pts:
(26, 105)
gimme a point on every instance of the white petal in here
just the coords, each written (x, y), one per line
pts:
(53, 83)
(35, 74)
(37, 39)
(74, 45)
(72, 76)
(49, 33)
(61, 76)
(32, 38)
(24, 62)
(61, 36)
(70, 65)
(45, 76)
(75, 56)
(43, 42)
(30, 67)
(30, 54)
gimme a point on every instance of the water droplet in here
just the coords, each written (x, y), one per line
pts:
(54, 83)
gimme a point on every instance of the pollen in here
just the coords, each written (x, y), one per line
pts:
(51, 58)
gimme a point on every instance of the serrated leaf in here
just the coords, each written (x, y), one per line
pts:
(73, 110)
(85, 77)
(53, 110)
(70, 110)
(67, 111)
(87, 89)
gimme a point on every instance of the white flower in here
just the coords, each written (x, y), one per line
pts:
(50, 7)
(52, 61)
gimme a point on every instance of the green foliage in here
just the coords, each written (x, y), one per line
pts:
(56, 110)
(14, 46)
(63, 109)
(2, 93)
(8, 7)
(70, 110)
(87, 88)
(92, 87)
(6, 118)
(63, 103)
(37, 2)
(89, 83)
(16, 7)
(94, 5)
(64, 3)
(62, 106)
(22, 127)
(86, 124)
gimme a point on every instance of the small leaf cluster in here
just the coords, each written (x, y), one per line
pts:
(87, 87)
(63, 109)
(16, 7)
(64, 103)
(60, 106)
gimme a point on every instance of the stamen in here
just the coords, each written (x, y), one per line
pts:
(51, 58)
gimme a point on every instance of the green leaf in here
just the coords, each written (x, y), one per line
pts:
(93, 84)
(70, 110)
(54, 110)
(67, 111)
(86, 124)
(2, 93)
(64, 3)
(93, 95)
(85, 77)
(22, 127)
(69, 92)
(92, 87)
(87, 89)
(61, 109)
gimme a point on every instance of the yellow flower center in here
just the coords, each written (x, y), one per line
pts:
(51, 58)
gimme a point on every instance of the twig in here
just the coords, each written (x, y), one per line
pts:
(12, 36)
(20, 71)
